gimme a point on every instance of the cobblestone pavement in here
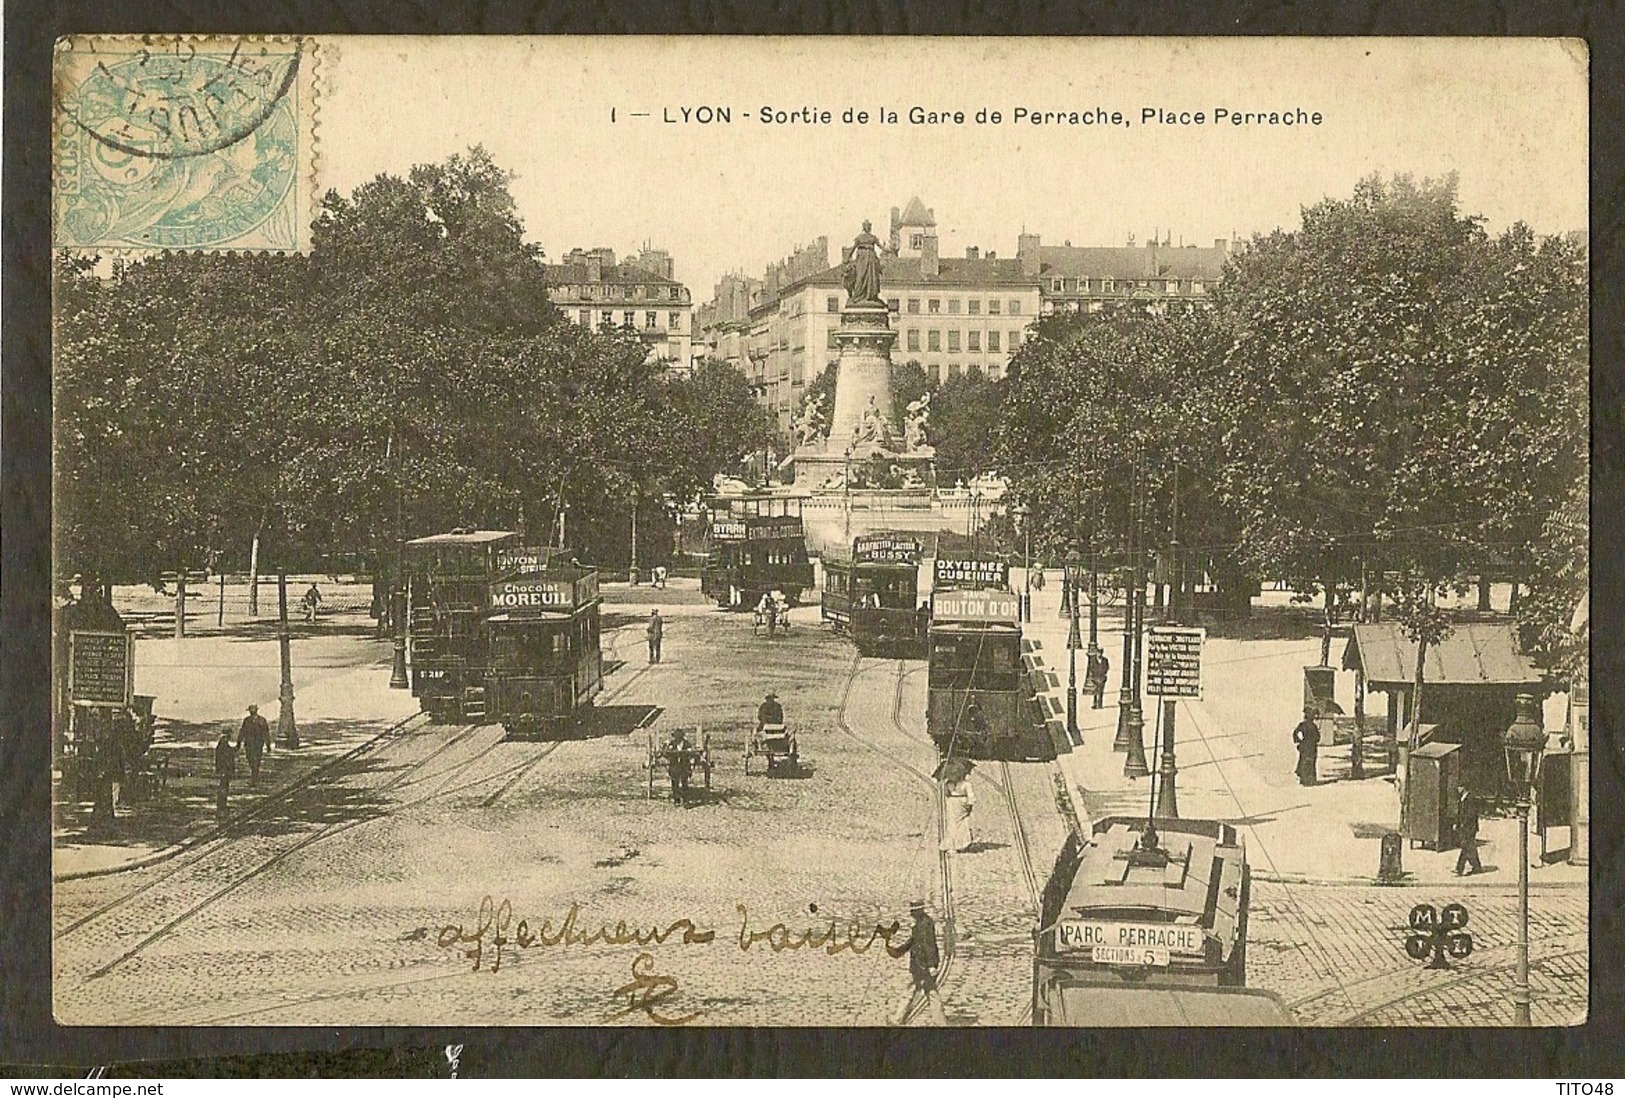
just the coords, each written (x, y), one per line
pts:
(345, 907)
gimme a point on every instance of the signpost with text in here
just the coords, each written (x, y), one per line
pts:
(1173, 670)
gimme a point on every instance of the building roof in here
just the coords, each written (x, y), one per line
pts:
(625, 274)
(915, 213)
(465, 537)
(1474, 653)
(1130, 263)
(906, 271)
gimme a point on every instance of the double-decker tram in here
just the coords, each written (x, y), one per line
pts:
(873, 594)
(1149, 920)
(978, 694)
(755, 544)
(501, 631)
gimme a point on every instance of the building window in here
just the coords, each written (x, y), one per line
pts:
(935, 305)
(993, 341)
(1056, 285)
(829, 340)
(650, 321)
(913, 304)
(933, 340)
(629, 319)
(1108, 286)
(1197, 287)
(1015, 340)
(953, 369)
(609, 317)
(674, 321)
(936, 371)
(953, 304)
(891, 304)
(585, 318)
(916, 240)
(993, 306)
(1015, 307)
(832, 304)
(1173, 285)
(974, 306)
(953, 339)
(973, 340)
(914, 339)
(994, 370)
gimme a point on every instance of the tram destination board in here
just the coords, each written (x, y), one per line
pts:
(99, 668)
(970, 572)
(1173, 661)
(886, 549)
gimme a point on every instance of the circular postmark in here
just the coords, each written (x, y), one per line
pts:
(178, 143)
(180, 101)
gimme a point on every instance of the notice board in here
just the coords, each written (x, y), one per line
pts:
(101, 667)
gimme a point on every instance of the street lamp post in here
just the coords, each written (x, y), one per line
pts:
(1019, 512)
(1525, 743)
(397, 671)
(285, 725)
(1069, 586)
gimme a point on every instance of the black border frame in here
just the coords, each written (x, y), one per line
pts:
(28, 1036)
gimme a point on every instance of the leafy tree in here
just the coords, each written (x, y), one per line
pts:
(965, 412)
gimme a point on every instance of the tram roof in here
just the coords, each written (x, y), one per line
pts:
(466, 537)
(1109, 878)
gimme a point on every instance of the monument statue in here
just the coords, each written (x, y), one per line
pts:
(811, 424)
(874, 427)
(919, 414)
(863, 270)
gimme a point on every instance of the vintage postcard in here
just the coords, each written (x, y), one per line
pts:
(820, 532)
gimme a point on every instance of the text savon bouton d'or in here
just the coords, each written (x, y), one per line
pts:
(1251, 116)
(495, 929)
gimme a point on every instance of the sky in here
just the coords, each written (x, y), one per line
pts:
(1508, 115)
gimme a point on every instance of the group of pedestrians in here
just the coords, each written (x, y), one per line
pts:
(253, 740)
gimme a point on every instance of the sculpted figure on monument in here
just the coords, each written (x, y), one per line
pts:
(810, 427)
(863, 270)
(919, 414)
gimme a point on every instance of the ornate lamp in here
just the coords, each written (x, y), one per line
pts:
(1525, 745)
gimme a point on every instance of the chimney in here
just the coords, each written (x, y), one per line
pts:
(896, 230)
(1027, 254)
(1221, 245)
(928, 256)
(595, 266)
(973, 252)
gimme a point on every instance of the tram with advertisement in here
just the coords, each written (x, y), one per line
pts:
(755, 545)
(873, 594)
(978, 691)
(502, 632)
(1156, 905)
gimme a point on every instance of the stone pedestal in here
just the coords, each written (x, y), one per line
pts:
(863, 379)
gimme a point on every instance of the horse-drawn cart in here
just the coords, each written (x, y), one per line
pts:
(677, 755)
(775, 743)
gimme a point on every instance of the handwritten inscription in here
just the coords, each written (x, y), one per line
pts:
(495, 932)
(646, 992)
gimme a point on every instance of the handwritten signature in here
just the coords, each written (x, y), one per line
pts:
(646, 992)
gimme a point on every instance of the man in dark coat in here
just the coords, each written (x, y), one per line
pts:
(225, 766)
(679, 766)
(254, 737)
(1102, 667)
(923, 963)
(1467, 830)
(656, 632)
(1307, 737)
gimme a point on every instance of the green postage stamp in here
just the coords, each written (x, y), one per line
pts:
(184, 142)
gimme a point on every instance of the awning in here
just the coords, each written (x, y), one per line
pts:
(1474, 653)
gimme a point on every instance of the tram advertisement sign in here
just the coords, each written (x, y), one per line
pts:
(974, 606)
(537, 593)
(728, 529)
(101, 668)
(972, 573)
(886, 549)
(1126, 942)
(511, 561)
(1173, 661)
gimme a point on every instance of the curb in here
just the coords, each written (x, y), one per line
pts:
(220, 830)
(1372, 882)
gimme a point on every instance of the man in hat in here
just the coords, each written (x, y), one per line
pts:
(1103, 667)
(655, 631)
(225, 766)
(254, 737)
(1307, 738)
(769, 712)
(923, 962)
(679, 766)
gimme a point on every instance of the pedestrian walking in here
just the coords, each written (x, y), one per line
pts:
(312, 599)
(1307, 737)
(924, 961)
(1103, 668)
(225, 766)
(660, 576)
(679, 766)
(1467, 831)
(254, 737)
(958, 801)
(655, 631)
